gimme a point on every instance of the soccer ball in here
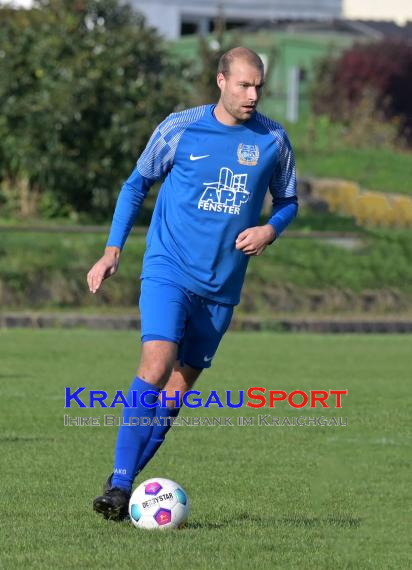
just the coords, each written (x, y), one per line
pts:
(159, 504)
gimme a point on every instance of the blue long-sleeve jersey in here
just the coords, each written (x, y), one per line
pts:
(216, 177)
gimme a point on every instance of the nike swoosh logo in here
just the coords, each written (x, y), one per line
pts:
(198, 157)
(207, 358)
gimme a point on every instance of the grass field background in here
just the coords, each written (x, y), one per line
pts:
(323, 149)
(262, 497)
(41, 271)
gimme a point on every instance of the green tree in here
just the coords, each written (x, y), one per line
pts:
(82, 86)
(209, 51)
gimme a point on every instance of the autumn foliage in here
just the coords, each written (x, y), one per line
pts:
(379, 70)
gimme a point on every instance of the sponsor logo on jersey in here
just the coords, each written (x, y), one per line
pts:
(193, 157)
(248, 154)
(226, 195)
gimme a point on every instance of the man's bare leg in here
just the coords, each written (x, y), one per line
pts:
(156, 362)
(182, 379)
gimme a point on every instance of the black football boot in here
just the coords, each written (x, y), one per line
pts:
(114, 503)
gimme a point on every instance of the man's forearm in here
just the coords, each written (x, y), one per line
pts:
(131, 197)
(283, 213)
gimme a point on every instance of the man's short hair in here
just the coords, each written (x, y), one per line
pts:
(242, 53)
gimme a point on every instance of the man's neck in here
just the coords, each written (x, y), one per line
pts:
(224, 117)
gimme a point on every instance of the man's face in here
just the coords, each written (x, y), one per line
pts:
(240, 90)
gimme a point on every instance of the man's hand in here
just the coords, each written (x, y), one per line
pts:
(253, 241)
(104, 268)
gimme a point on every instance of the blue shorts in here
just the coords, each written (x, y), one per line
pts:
(170, 312)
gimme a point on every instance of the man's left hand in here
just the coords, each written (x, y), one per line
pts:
(253, 241)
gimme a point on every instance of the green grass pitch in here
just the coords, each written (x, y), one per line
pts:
(262, 497)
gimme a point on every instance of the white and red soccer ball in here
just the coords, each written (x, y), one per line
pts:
(159, 504)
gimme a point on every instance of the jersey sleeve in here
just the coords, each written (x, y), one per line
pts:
(128, 204)
(283, 187)
(157, 158)
(154, 163)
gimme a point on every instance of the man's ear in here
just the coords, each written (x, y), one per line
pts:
(220, 80)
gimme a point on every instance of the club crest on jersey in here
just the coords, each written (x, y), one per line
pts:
(248, 154)
(225, 195)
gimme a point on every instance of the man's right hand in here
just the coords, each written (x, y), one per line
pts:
(104, 268)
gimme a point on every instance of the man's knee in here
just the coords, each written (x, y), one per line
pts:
(157, 361)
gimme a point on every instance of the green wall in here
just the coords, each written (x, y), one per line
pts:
(281, 52)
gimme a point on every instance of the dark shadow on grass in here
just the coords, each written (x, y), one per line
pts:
(23, 438)
(329, 520)
(208, 526)
(14, 376)
(244, 519)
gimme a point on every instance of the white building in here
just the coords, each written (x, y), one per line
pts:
(172, 17)
(396, 10)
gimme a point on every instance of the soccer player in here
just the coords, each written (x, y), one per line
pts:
(217, 162)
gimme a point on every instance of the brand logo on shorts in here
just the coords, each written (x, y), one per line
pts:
(208, 358)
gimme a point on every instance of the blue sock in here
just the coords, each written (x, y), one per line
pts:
(132, 440)
(158, 435)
